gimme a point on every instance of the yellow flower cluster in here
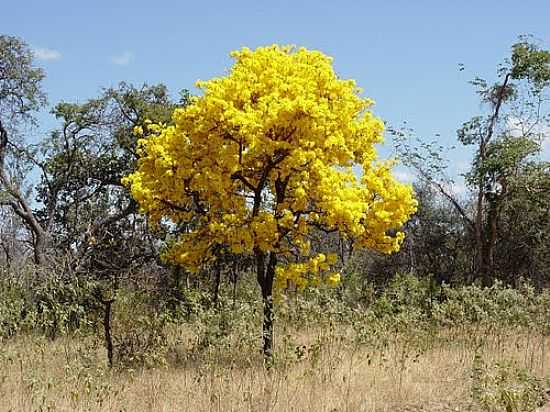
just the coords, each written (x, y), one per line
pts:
(309, 273)
(278, 148)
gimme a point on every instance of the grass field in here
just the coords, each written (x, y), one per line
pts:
(409, 348)
(451, 370)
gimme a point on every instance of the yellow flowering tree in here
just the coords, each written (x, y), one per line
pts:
(277, 149)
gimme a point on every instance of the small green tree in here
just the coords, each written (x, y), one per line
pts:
(505, 139)
(83, 203)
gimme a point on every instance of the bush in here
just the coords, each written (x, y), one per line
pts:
(507, 387)
(45, 303)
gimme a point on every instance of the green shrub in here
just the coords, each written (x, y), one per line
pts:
(507, 387)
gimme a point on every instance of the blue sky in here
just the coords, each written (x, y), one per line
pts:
(404, 54)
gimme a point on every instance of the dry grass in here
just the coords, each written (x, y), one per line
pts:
(330, 373)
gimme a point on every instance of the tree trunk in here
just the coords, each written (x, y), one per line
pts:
(234, 280)
(267, 295)
(40, 244)
(491, 242)
(265, 275)
(217, 282)
(107, 329)
(8, 255)
(485, 270)
(486, 239)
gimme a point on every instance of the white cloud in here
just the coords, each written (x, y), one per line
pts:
(459, 188)
(514, 126)
(123, 59)
(462, 166)
(545, 137)
(539, 132)
(545, 147)
(403, 176)
(42, 53)
(518, 128)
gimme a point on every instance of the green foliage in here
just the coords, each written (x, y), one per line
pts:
(55, 306)
(61, 305)
(12, 308)
(47, 304)
(531, 62)
(140, 339)
(21, 94)
(408, 294)
(507, 387)
(503, 224)
(524, 240)
(505, 158)
(82, 164)
(497, 305)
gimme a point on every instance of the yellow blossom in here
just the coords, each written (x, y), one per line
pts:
(263, 157)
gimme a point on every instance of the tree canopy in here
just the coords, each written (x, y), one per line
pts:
(265, 156)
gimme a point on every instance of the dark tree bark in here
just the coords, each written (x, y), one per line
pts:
(107, 327)
(217, 282)
(485, 229)
(107, 314)
(265, 272)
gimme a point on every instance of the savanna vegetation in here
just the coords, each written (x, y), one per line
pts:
(245, 249)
